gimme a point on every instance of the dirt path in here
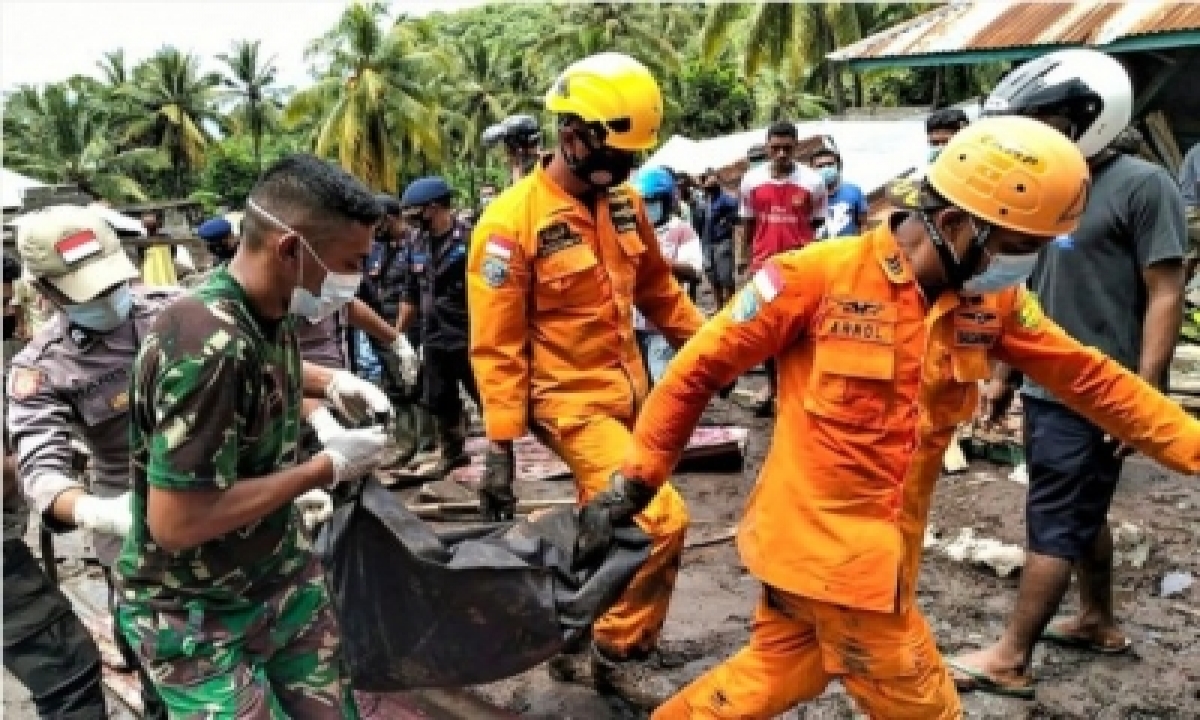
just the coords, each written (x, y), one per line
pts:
(966, 605)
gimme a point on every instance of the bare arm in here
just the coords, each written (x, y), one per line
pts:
(316, 379)
(10, 475)
(404, 319)
(1164, 316)
(364, 318)
(179, 520)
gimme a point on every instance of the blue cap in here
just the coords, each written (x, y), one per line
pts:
(653, 182)
(424, 191)
(214, 230)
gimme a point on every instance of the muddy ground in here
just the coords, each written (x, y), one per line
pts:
(966, 605)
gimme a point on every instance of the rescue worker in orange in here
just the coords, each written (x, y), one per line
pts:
(556, 266)
(881, 341)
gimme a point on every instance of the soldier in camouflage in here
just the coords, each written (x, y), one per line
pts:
(45, 646)
(221, 593)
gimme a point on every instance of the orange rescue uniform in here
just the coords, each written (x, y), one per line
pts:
(872, 383)
(551, 287)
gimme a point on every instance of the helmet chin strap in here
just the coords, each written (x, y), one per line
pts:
(958, 271)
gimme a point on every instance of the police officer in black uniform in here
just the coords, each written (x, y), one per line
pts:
(437, 291)
(392, 261)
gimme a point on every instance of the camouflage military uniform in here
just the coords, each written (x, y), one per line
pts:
(240, 626)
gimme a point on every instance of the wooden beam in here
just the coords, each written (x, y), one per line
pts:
(1164, 75)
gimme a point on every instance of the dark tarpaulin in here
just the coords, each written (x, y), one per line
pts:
(419, 608)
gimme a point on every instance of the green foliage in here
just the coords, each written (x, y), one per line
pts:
(395, 97)
(231, 169)
(713, 101)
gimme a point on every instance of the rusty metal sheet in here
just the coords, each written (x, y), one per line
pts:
(978, 26)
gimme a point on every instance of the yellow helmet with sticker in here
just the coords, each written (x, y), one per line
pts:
(1016, 173)
(614, 91)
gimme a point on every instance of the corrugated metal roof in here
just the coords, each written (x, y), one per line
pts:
(974, 27)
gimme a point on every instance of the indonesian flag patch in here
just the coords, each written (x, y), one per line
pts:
(768, 281)
(499, 246)
(78, 246)
(24, 382)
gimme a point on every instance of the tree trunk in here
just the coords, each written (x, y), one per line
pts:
(939, 76)
(858, 88)
(471, 174)
(835, 87)
(256, 135)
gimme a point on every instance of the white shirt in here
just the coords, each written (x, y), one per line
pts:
(679, 244)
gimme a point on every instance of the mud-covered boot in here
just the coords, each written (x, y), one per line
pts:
(452, 438)
(640, 683)
(574, 663)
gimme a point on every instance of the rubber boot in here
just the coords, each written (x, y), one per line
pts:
(574, 663)
(640, 683)
(452, 437)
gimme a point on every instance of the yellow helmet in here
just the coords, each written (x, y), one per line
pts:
(1014, 172)
(615, 91)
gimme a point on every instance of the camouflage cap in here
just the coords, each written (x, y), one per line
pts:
(73, 249)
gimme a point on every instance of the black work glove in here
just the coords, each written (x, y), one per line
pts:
(496, 499)
(624, 498)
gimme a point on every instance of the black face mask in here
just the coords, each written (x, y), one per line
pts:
(221, 251)
(712, 191)
(10, 327)
(601, 161)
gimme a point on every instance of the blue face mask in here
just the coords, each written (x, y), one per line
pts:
(830, 175)
(104, 313)
(656, 212)
(1003, 271)
(934, 151)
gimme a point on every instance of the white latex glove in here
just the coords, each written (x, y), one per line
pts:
(111, 515)
(356, 398)
(315, 506)
(355, 453)
(409, 362)
(323, 424)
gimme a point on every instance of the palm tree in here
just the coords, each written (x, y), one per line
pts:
(251, 80)
(60, 134)
(371, 97)
(582, 29)
(175, 105)
(796, 37)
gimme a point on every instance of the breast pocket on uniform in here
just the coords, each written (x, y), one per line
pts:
(104, 404)
(566, 278)
(854, 363)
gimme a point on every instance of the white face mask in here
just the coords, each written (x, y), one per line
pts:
(337, 289)
(1003, 271)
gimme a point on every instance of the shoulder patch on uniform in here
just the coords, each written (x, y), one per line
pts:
(555, 238)
(25, 382)
(1028, 311)
(745, 305)
(768, 281)
(494, 271)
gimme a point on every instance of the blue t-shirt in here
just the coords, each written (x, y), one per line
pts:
(846, 205)
(717, 219)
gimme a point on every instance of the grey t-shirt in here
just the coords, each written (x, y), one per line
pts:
(1090, 283)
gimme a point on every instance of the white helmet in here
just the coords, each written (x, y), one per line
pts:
(1089, 88)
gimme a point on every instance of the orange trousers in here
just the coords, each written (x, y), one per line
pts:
(593, 448)
(888, 663)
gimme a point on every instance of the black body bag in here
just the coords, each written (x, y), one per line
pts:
(422, 608)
